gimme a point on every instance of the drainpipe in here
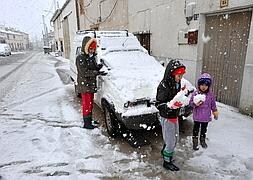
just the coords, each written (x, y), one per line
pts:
(100, 11)
(77, 15)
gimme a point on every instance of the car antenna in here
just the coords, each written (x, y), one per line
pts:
(123, 44)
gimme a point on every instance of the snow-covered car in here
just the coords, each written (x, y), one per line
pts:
(5, 50)
(127, 93)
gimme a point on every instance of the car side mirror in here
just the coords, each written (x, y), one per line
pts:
(104, 64)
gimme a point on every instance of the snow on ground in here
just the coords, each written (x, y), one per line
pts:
(41, 137)
(19, 52)
(41, 134)
(229, 153)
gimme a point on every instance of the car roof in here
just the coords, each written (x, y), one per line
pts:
(4, 45)
(2, 48)
(98, 34)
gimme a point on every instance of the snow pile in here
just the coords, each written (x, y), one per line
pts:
(187, 85)
(229, 152)
(198, 98)
(181, 98)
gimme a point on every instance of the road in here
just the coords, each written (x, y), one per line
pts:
(41, 134)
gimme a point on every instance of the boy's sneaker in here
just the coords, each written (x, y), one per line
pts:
(170, 166)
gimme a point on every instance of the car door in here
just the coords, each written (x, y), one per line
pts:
(101, 80)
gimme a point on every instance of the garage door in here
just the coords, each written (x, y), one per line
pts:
(224, 55)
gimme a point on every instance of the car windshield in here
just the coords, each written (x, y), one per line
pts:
(119, 43)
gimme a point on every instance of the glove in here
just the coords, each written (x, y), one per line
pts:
(215, 115)
(102, 73)
(178, 104)
(100, 66)
(175, 105)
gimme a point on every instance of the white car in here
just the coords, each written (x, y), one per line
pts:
(128, 92)
(5, 50)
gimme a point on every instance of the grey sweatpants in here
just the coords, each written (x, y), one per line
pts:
(170, 136)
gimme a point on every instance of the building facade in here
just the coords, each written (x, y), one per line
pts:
(17, 40)
(65, 27)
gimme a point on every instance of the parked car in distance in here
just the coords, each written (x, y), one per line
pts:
(47, 49)
(128, 92)
(5, 50)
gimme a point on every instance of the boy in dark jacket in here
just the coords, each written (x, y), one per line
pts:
(87, 71)
(166, 91)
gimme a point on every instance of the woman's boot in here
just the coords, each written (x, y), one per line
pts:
(87, 123)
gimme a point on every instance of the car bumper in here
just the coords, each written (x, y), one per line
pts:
(144, 121)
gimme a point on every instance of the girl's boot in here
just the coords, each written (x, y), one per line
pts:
(195, 142)
(203, 142)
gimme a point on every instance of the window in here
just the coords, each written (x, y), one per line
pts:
(144, 39)
(61, 46)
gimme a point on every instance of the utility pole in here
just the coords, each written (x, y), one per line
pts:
(54, 5)
(77, 15)
(45, 36)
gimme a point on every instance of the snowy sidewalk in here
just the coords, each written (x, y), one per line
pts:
(230, 146)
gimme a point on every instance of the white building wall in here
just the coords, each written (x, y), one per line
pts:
(246, 101)
(104, 15)
(70, 12)
(164, 19)
(58, 30)
(209, 6)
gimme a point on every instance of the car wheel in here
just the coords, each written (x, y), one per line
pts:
(110, 122)
(76, 92)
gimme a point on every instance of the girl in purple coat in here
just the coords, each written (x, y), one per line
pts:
(204, 105)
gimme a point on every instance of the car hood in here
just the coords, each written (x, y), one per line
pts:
(135, 75)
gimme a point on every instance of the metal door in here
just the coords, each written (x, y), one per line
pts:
(224, 54)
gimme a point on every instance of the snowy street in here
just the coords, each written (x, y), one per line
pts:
(41, 134)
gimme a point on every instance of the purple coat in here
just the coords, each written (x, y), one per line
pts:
(203, 113)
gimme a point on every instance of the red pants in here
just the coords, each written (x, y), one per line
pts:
(87, 103)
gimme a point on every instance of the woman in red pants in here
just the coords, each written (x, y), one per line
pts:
(87, 71)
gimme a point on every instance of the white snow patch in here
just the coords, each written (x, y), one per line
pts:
(205, 39)
(198, 98)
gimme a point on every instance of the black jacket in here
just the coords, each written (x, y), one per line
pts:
(167, 90)
(87, 71)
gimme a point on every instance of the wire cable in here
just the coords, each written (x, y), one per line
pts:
(114, 6)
